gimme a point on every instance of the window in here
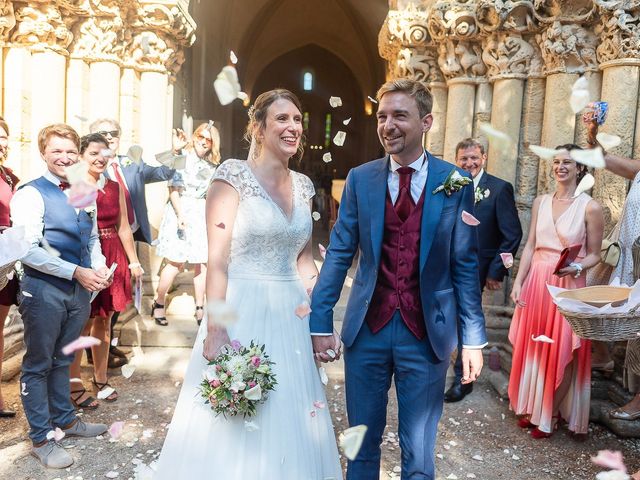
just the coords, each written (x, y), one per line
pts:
(307, 80)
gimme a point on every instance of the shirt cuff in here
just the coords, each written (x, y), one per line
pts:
(321, 334)
(474, 347)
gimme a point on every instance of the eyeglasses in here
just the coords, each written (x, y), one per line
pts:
(113, 133)
(202, 137)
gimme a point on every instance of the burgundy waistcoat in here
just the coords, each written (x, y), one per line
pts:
(398, 285)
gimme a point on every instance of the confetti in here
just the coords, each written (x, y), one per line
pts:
(80, 343)
(579, 95)
(81, 118)
(233, 57)
(323, 375)
(542, 339)
(23, 391)
(351, 439)
(303, 310)
(114, 342)
(340, 138)
(135, 153)
(478, 458)
(315, 216)
(319, 404)
(227, 86)
(144, 44)
(116, 429)
(591, 158)
(610, 459)
(544, 152)
(26, 294)
(507, 259)
(221, 225)
(323, 251)
(497, 139)
(127, 370)
(469, 219)
(111, 474)
(251, 426)
(105, 393)
(56, 435)
(335, 102)
(77, 172)
(221, 313)
(585, 184)
(82, 194)
(254, 393)
(346, 121)
(326, 158)
(371, 99)
(312, 413)
(608, 141)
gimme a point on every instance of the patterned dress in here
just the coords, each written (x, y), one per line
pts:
(551, 379)
(118, 295)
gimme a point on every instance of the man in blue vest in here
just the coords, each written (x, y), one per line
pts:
(61, 269)
(132, 175)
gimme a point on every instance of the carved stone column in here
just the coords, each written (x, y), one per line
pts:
(452, 24)
(619, 56)
(568, 50)
(405, 43)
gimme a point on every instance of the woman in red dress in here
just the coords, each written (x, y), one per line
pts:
(116, 241)
(8, 295)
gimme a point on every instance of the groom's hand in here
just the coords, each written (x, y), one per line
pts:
(471, 364)
(323, 343)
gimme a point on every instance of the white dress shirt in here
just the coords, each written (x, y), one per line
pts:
(476, 179)
(112, 174)
(27, 209)
(418, 178)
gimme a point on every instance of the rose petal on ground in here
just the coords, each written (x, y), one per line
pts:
(544, 152)
(608, 141)
(591, 158)
(469, 219)
(303, 310)
(579, 95)
(335, 102)
(127, 370)
(111, 474)
(221, 313)
(56, 434)
(612, 475)
(319, 404)
(116, 429)
(340, 138)
(478, 458)
(221, 225)
(251, 426)
(326, 158)
(515, 457)
(316, 216)
(610, 459)
(440, 456)
(350, 441)
(507, 259)
(497, 139)
(585, 184)
(346, 121)
(80, 343)
(452, 476)
(233, 57)
(323, 375)
(105, 393)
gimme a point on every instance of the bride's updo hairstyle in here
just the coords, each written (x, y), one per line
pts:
(258, 118)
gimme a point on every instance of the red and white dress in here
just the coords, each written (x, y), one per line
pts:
(551, 379)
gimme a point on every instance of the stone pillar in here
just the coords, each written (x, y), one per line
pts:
(78, 95)
(435, 137)
(460, 110)
(130, 107)
(482, 108)
(104, 90)
(507, 105)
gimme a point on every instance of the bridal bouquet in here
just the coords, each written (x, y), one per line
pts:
(238, 379)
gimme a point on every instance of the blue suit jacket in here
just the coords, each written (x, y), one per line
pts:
(449, 285)
(499, 230)
(137, 174)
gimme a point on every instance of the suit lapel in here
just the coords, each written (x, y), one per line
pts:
(378, 187)
(484, 181)
(432, 207)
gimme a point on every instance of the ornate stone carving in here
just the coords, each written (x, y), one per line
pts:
(507, 56)
(576, 11)
(167, 18)
(453, 18)
(40, 25)
(461, 59)
(99, 38)
(514, 16)
(619, 30)
(568, 48)
(418, 63)
(7, 19)
(149, 51)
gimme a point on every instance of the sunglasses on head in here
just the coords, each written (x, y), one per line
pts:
(113, 133)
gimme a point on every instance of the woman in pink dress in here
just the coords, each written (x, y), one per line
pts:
(551, 382)
(116, 241)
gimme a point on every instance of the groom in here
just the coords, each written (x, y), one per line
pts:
(417, 273)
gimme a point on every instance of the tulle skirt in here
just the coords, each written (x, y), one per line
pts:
(295, 438)
(548, 379)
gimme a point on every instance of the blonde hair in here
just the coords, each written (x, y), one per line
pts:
(414, 89)
(258, 114)
(213, 156)
(57, 130)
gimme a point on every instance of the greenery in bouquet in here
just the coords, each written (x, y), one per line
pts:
(238, 380)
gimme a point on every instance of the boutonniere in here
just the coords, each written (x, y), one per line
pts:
(453, 183)
(91, 210)
(481, 194)
(125, 161)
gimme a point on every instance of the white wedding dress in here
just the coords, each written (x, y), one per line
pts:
(294, 439)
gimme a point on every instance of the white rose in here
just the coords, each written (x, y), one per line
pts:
(210, 374)
(456, 176)
(237, 386)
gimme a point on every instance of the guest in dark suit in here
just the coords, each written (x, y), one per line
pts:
(132, 176)
(499, 232)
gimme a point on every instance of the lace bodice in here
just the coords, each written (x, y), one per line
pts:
(264, 241)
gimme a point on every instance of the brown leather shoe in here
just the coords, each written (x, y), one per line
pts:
(117, 362)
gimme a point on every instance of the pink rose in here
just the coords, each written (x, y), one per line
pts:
(255, 361)
(218, 368)
(236, 345)
(215, 383)
(252, 384)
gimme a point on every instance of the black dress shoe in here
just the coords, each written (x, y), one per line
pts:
(457, 392)
(117, 352)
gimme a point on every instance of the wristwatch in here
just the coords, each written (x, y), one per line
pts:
(578, 267)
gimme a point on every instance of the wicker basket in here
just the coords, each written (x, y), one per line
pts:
(613, 327)
(4, 271)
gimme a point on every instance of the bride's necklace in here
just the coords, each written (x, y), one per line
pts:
(567, 199)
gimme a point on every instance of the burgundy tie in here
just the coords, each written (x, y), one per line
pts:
(404, 204)
(64, 185)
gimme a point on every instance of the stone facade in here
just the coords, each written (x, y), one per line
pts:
(512, 63)
(74, 61)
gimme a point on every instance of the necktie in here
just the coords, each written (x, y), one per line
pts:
(64, 185)
(127, 196)
(404, 204)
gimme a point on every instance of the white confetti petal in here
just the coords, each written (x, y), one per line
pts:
(127, 370)
(340, 138)
(221, 313)
(579, 95)
(227, 86)
(326, 158)
(104, 393)
(351, 439)
(585, 184)
(591, 158)
(251, 426)
(26, 294)
(233, 57)
(497, 139)
(544, 152)
(515, 457)
(346, 121)
(23, 390)
(111, 474)
(478, 458)
(316, 216)
(335, 102)
(323, 375)
(114, 342)
(608, 141)
(371, 99)
(542, 339)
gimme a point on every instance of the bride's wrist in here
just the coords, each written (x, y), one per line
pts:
(214, 330)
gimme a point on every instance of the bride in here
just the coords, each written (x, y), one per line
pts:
(260, 262)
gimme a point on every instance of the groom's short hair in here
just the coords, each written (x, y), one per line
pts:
(414, 89)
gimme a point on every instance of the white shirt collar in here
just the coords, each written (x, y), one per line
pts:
(416, 164)
(476, 180)
(52, 178)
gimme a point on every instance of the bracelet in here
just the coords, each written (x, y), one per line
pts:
(578, 267)
(134, 265)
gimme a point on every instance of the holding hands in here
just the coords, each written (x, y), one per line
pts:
(327, 348)
(93, 280)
